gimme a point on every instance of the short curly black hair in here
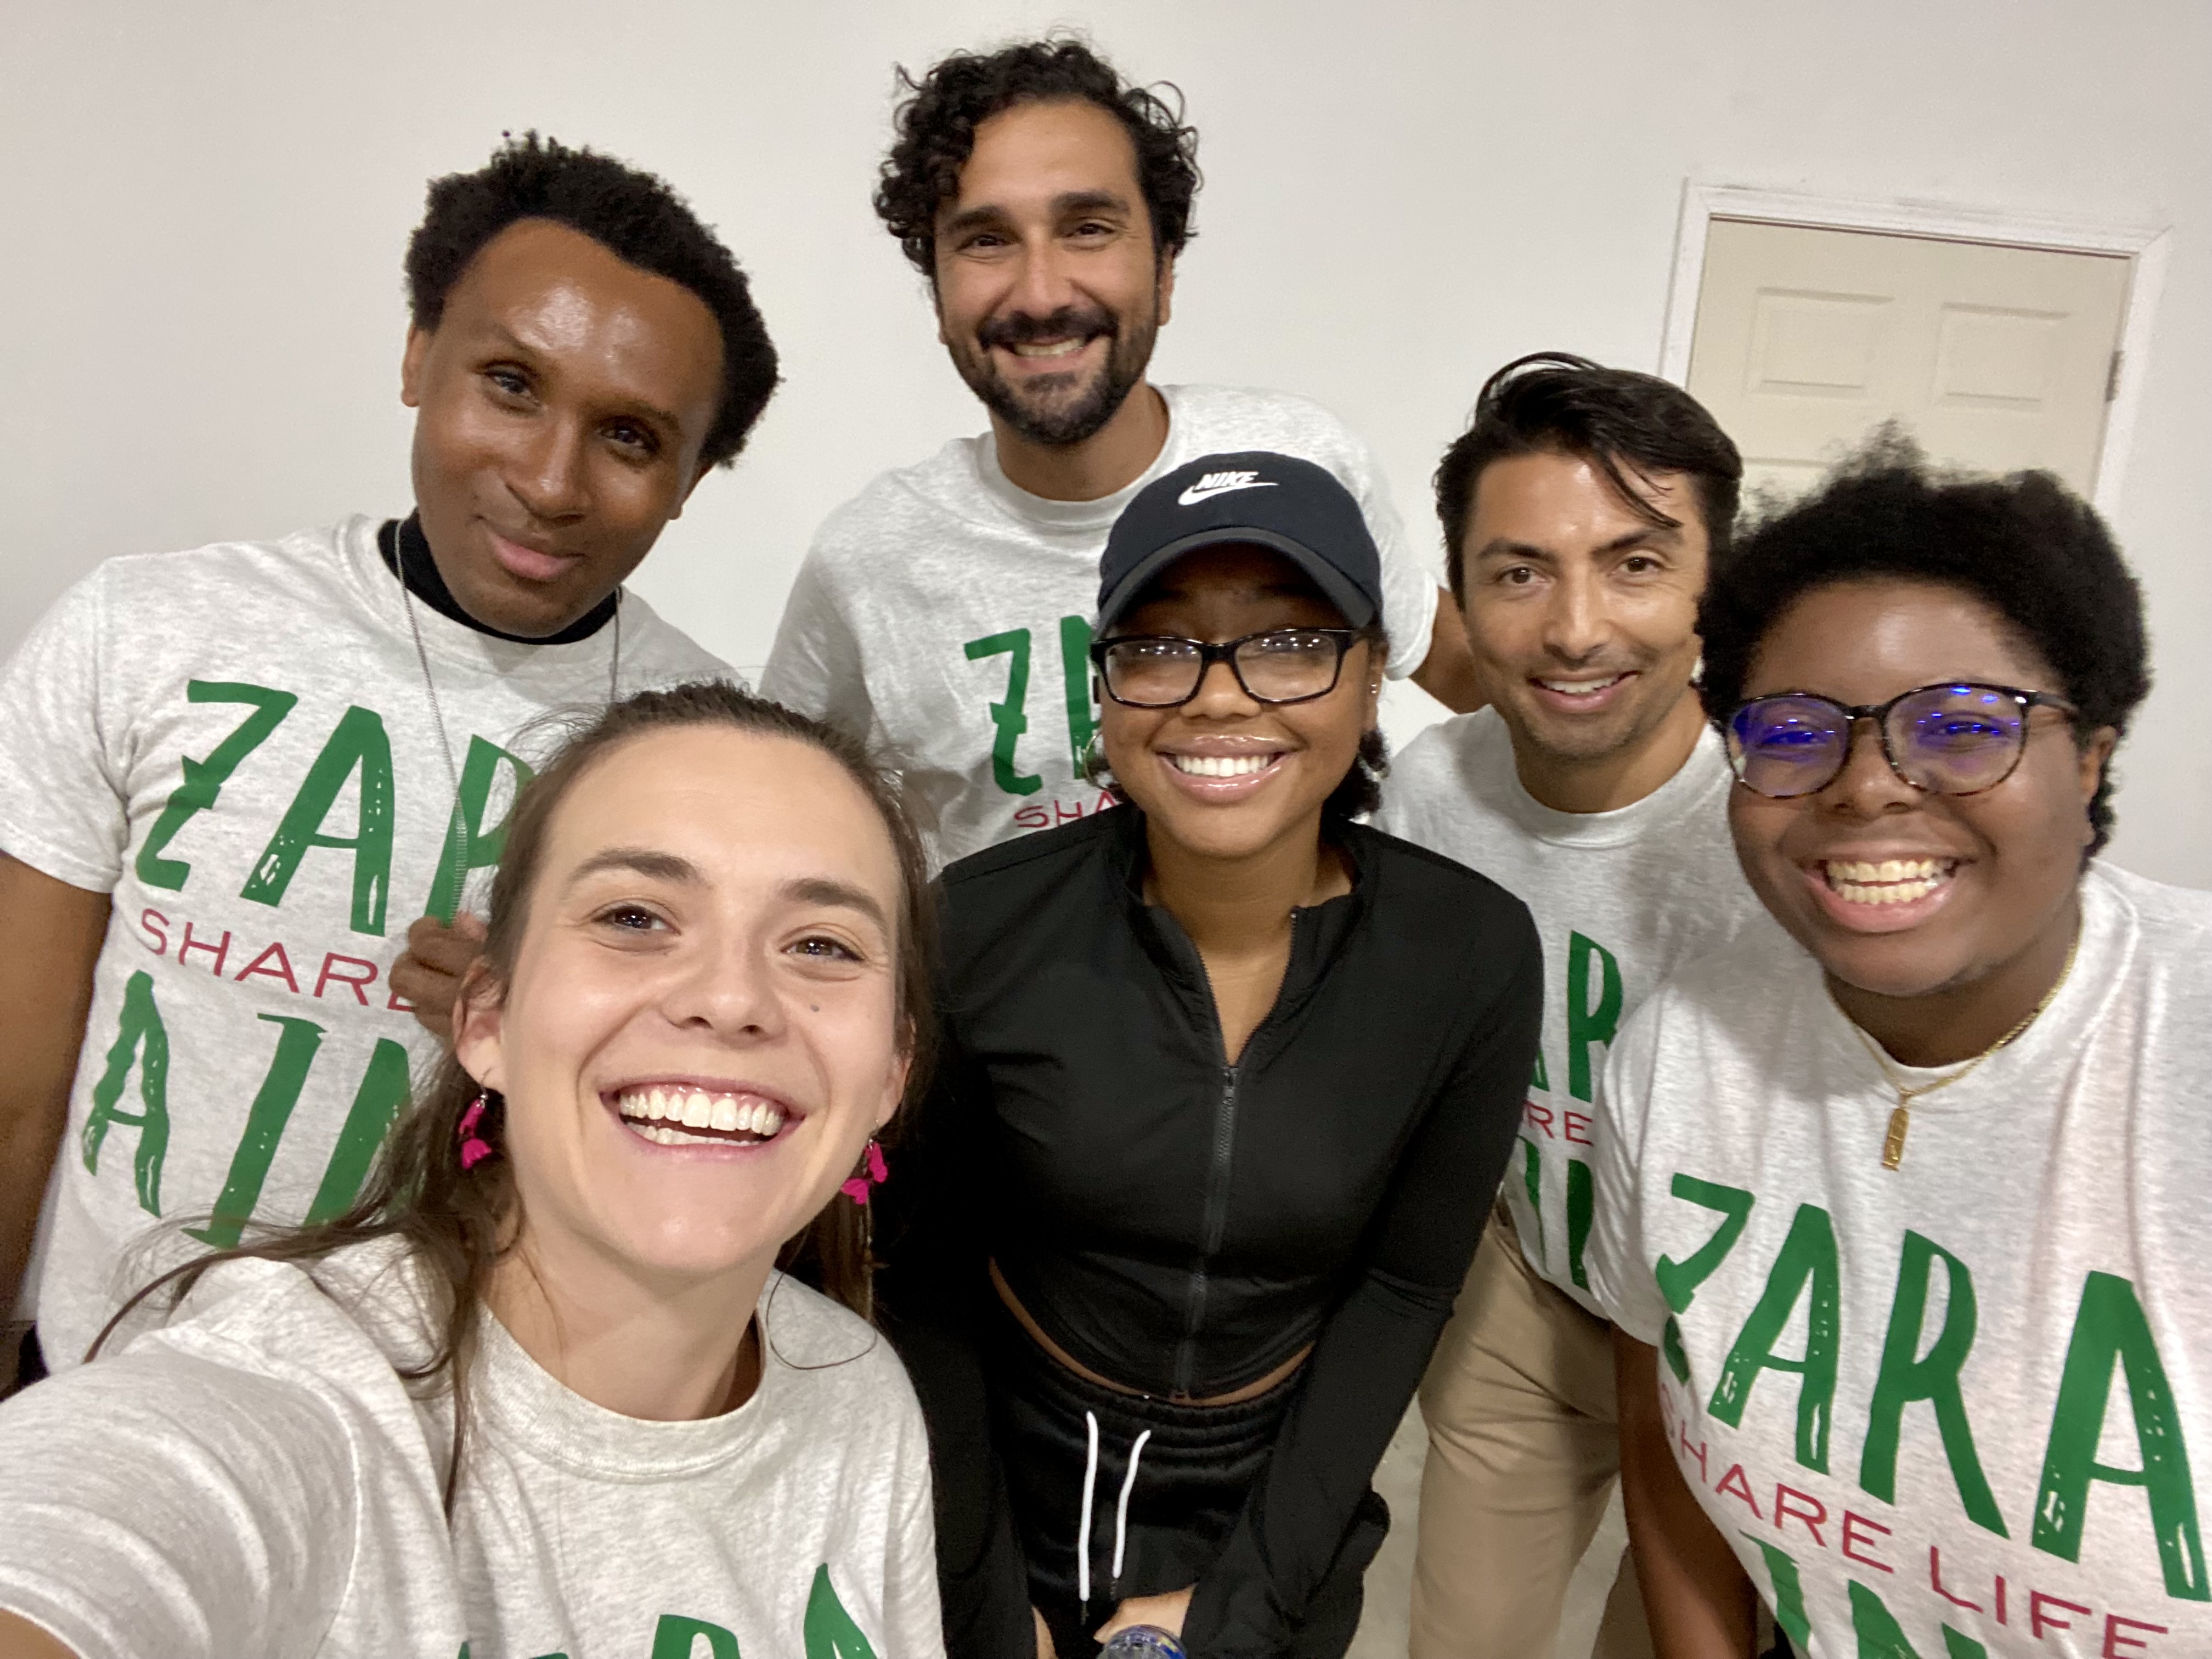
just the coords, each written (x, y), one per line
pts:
(2027, 546)
(631, 213)
(1554, 402)
(936, 127)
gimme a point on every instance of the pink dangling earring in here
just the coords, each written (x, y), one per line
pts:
(874, 1173)
(474, 1148)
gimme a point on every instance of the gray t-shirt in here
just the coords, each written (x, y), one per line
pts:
(255, 1478)
(1620, 898)
(236, 743)
(1960, 1407)
(943, 613)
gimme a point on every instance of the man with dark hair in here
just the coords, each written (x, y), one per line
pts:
(945, 611)
(1583, 509)
(230, 776)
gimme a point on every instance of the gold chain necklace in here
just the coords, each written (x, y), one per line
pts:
(1900, 1120)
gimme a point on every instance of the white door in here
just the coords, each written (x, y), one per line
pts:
(1995, 358)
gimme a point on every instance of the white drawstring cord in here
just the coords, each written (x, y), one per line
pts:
(1121, 1510)
(1082, 1531)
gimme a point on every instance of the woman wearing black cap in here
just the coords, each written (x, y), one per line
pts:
(1229, 1081)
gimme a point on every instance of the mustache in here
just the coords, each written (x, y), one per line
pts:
(1022, 328)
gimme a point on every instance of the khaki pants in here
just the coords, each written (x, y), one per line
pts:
(1524, 1446)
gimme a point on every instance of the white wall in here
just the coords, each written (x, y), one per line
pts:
(203, 209)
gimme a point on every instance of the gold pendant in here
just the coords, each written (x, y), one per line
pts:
(1892, 1144)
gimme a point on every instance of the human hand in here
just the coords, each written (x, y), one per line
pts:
(1166, 1611)
(1044, 1637)
(428, 973)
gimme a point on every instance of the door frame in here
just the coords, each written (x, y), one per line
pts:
(2148, 245)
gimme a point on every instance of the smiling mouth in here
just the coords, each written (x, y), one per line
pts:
(695, 1117)
(1892, 881)
(1587, 688)
(1052, 348)
(1223, 766)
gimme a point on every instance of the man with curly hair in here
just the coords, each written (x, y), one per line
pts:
(945, 611)
(230, 777)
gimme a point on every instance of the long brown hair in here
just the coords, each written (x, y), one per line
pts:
(458, 1222)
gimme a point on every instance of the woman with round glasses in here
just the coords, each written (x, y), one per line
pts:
(1229, 1082)
(1901, 1217)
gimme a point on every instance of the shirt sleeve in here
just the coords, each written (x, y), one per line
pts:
(63, 759)
(1619, 1267)
(164, 1504)
(815, 666)
(933, 1297)
(1299, 1518)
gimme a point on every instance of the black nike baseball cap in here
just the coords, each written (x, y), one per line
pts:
(1280, 502)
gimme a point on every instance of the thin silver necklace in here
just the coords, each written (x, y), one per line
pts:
(438, 715)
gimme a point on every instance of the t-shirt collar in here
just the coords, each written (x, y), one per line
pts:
(456, 644)
(521, 1402)
(1051, 518)
(1678, 797)
(2044, 1048)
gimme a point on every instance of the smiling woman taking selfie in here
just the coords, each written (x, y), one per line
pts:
(543, 1390)
(1229, 1082)
(1901, 1217)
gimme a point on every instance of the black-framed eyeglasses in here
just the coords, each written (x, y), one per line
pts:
(1956, 738)
(1282, 664)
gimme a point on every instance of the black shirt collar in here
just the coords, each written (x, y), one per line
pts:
(406, 554)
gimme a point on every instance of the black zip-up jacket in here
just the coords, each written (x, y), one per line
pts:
(1181, 1225)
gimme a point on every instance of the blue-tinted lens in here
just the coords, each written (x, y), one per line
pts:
(1786, 746)
(1957, 739)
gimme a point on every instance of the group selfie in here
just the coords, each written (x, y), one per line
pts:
(521, 1144)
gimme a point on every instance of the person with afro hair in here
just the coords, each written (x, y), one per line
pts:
(945, 610)
(233, 776)
(1900, 1207)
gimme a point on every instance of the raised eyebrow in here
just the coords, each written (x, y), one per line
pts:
(841, 895)
(640, 861)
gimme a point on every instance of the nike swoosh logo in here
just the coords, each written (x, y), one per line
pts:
(1199, 492)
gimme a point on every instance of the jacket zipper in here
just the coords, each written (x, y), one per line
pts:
(1216, 1222)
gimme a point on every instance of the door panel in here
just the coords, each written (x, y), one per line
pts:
(1994, 357)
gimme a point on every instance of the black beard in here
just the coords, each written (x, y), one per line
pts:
(1058, 424)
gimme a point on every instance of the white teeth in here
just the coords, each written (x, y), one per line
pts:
(1892, 881)
(1221, 766)
(655, 1114)
(1580, 688)
(1056, 349)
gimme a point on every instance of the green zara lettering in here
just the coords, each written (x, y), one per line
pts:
(2111, 1350)
(141, 1043)
(826, 1631)
(1010, 713)
(1873, 1627)
(470, 845)
(204, 779)
(358, 746)
(1594, 994)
